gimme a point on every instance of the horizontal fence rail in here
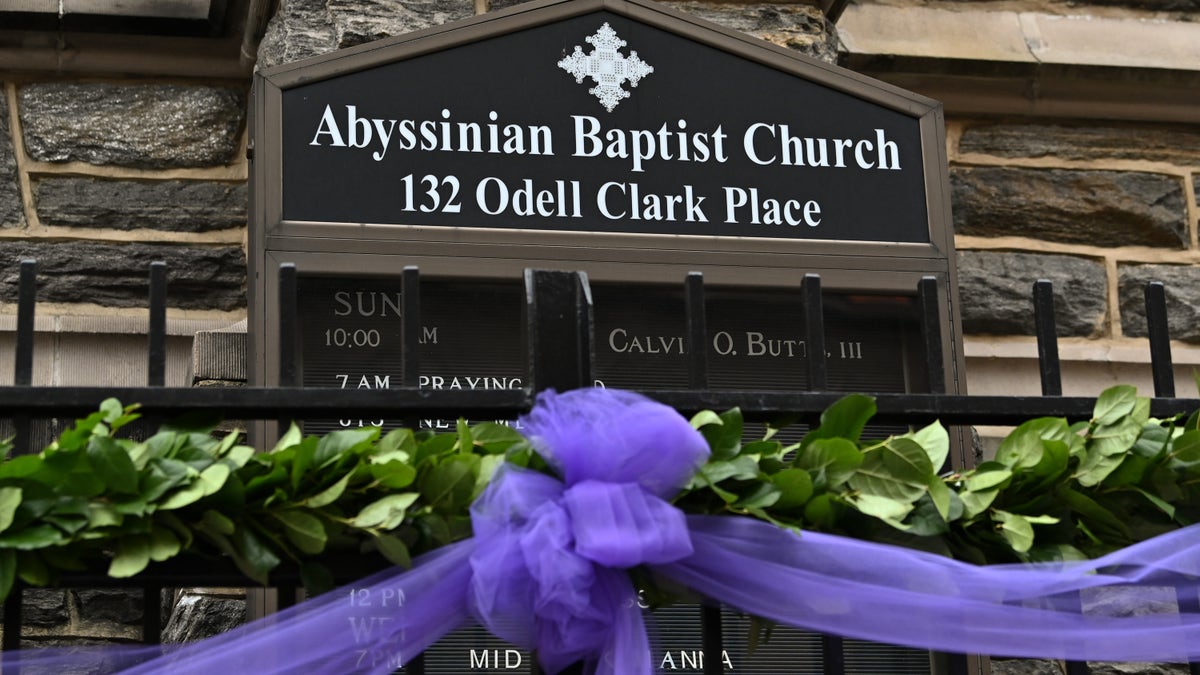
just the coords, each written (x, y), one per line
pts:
(559, 353)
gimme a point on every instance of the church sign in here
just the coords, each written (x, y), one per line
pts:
(618, 138)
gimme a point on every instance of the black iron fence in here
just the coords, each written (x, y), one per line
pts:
(559, 350)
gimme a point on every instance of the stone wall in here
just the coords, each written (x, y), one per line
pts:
(1100, 209)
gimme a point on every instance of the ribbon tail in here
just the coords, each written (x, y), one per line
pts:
(894, 595)
(372, 626)
(628, 649)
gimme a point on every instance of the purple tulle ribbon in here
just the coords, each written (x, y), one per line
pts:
(546, 570)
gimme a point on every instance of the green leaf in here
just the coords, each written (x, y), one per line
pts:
(304, 530)
(254, 558)
(292, 437)
(495, 438)
(394, 550)
(32, 537)
(22, 466)
(1158, 502)
(102, 515)
(762, 496)
(396, 475)
(1016, 529)
(112, 465)
(1186, 447)
(725, 439)
(704, 418)
(738, 468)
(831, 461)
(936, 442)
(450, 485)
(1113, 404)
(164, 545)
(975, 503)
(1098, 519)
(889, 510)
(899, 469)
(821, 511)
(329, 495)
(795, 488)
(133, 554)
(942, 497)
(337, 443)
(987, 476)
(10, 499)
(217, 522)
(8, 572)
(844, 419)
(1023, 448)
(386, 513)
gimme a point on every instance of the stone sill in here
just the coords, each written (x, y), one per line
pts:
(1022, 37)
(1029, 63)
(112, 325)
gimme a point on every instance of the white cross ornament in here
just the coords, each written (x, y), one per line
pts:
(607, 67)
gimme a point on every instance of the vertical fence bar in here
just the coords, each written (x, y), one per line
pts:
(814, 332)
(1160, 340)
(410, 301)
(156, 366)
(1047, 338)
(558, 342)
(931, 339)
(156, 376)
(833, 647)
(289, 372)
(1050, 369)
(712, 639)
(410, 364)
(558, 330)
(1162, 366)
(22, 443)
(931, 334)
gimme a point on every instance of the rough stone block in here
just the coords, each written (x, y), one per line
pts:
(996, 290)
(304, 28)
(117, 605)
(44, 607)
(11, 212)
(146, 126)
(1177, 144)
(1181, 285)
(800, 27)
(117, 275)
(200, 616)
(299, 29)
(171, 206)
(1099, 208)
(359, 21)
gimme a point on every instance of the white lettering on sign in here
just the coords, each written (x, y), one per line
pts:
(430, 135)
(789, 150)
(613, 198)
(690, 659)
(468, 382)
(641, 145)
(621, 342)
(745, 205)
(495, 659)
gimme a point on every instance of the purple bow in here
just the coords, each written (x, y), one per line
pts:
(549, 560)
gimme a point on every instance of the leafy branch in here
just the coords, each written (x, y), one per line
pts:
(1053, 491)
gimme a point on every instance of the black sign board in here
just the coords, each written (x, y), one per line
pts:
(628, 141)
(678, 139)
(471, 338)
